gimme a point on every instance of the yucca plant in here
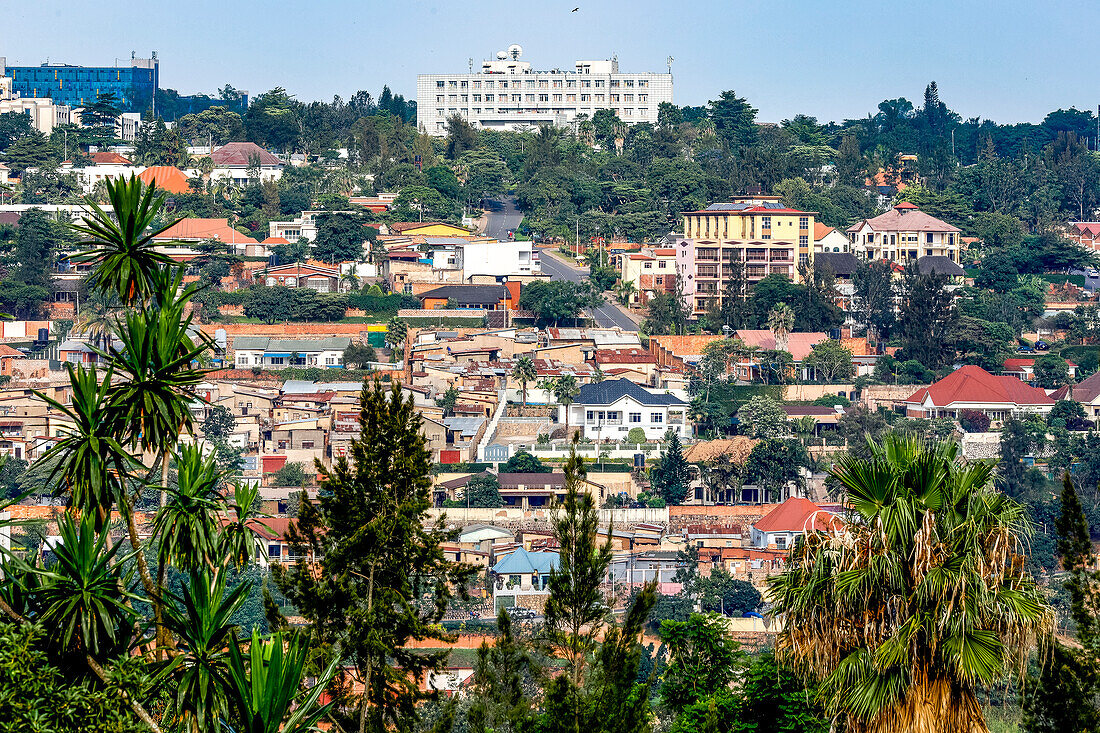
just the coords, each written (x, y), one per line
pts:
(121, 246)
(920, 601)
(200, 618)
(237, 542)
(267, 682)
(187, 526)
(88, 458)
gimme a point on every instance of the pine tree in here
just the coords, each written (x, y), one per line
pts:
(1064, 695)
(500, 702)
(671, 476)
(372, 573)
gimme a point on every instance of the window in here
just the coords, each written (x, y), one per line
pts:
(490, 97)
(530, 97)
(643, 83)
(614, 83)
(599, 83)
(543, 84)
(452, 84)
(803, 222)
(242, 359)
(490, 84)
(656, 418)
(643, 97)
(628, 97)
(586, 83)
(477, 97)
(928, 252)
(557, 97)
(765, 222)
(439, 85)
(439, 99)
(803, 239)
(530, 83)
(330, 361)
(614, 97)
(803, 258)
(277, 360)
(570, 83)
(635, 417)
(630, 82)
(463, 85)
(590, 416)
(477, 85)
(544, 97)
(929, 239)
(586, 97)
(307, 445)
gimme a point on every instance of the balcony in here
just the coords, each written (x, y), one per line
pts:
(756, 271)
(782, 256)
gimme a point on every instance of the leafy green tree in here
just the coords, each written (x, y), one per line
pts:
(671, 477)
(554, 301)
(379, 556)
(762, 417)
(35, 249)
(31, 151)
(703, 660)
(831, 361)
(524, 462)
(908, 495)
(734, 121)
(359, 355)
(483, 491)
(774, 465)
(340, 237)
(292, 474)
(721, 593)
(1051, 371)
(926, 317)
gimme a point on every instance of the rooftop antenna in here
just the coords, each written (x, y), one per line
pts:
(470, 64)
(668, 62)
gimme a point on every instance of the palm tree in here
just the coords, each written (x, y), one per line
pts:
(781, 323)
(396, 332)
(122, 246)
(266, 682)
(524, 372)
(564, 389)
(624, 291)
(349, 281)
(237, 543)
(920, 600)
(97, 317)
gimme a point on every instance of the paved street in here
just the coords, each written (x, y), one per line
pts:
(607, 315)
(502, 216)
(1091, 283)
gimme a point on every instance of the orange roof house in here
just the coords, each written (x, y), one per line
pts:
(793, 518)
(108, 158)
(168, 177)
(197, 230)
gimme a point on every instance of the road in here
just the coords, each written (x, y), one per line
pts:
(1091, 283)
(501, 217)
(607, 315)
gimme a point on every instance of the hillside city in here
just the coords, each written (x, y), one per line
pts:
(542, 403)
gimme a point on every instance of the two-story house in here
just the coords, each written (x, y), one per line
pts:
(608, 410)
(904, 234)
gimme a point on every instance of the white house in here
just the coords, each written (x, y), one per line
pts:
(610, 409)
(233, 160)
(829, 239)
(269, 353)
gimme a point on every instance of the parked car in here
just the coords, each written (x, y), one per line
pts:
(518, 612)
(1025, 349)
(1041, 346)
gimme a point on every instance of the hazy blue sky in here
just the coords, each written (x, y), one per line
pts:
(1008, 60)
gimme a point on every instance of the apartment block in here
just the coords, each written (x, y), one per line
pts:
(507, 94)
(759, 232)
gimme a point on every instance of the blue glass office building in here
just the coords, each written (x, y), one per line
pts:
(76, 86)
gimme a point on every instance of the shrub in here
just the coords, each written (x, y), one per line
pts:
(974, 421)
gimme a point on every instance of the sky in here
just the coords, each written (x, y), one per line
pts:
(1005, 60)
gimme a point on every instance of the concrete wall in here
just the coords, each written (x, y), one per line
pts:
(887, 394)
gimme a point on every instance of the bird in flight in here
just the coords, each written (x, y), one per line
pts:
(574, 10)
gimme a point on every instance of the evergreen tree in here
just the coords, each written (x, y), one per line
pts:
(1064, 695)
(372, 573)
(671, 476)
(501, 699)
(575, 608)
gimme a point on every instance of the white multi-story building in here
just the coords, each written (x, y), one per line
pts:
(482, 259)
(507, 94)
(43, 114)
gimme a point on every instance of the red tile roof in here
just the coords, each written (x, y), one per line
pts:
(109, 158)
(199, 229)
(237, 154)
(822, 230)
(901, 219)
(168, 177)
(798, 515)
(275, 240)
(972, 384)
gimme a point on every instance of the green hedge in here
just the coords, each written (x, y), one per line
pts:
(1078, 280)
(316, 374)
(427, 321)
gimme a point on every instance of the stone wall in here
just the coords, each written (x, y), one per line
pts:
(887, 395)
(522, 427)
(532, 410)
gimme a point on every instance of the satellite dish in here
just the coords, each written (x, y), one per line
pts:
(515, 51)
(502, 55)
